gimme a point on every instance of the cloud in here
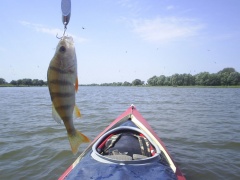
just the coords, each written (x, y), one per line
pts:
(170, 7)
(125, 3)
(52, 31)
(166, 29)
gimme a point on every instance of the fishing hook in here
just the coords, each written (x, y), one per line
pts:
(65, 28)
(66, 13)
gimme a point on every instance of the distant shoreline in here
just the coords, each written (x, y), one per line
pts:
(10, 85)
(228, 77)
(234, 86)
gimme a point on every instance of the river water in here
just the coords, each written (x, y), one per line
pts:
(199, 126)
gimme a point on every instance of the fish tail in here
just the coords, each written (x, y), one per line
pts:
(76, 140)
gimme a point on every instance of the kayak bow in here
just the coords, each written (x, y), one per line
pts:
(127, 149)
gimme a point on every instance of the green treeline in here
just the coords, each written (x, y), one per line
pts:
(225, 77)
(136, 82)
(24, 82)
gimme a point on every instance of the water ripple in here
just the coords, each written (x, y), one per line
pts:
(199, 126)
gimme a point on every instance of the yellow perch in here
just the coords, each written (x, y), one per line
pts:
(63, 84)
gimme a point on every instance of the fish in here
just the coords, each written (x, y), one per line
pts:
(63, 84)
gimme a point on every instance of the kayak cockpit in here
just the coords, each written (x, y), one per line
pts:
(127, 149)
(125, 144)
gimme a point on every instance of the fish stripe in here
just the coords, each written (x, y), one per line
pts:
(61, 95)
(63, 107)
(69, 71)
(58, 70)
(61, 82)
(67, 119)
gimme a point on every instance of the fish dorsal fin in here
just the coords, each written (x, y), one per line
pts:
(76, 85)
(76, 112)
(56, 116)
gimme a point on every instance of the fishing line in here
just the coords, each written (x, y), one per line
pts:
(66, 14)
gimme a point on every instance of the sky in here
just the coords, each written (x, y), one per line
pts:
(121, 40)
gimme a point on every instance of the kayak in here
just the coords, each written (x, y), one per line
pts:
(127, 149)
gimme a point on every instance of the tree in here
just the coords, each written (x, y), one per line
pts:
(214, 80)
(167, 81)
(152, 81)
(175, 78)
(224, 74)
(27, 82)
(188, 80)
(19, 82)
(137, 82)
(40, 82)
(161, 80)
(224, 78)
(202, 79)
(227, 70)
(35, 82)
(191, 79)
(13, 82)
(233, 78)
(126, 83)
(3, 81)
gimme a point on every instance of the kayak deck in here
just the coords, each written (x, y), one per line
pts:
(131, 162)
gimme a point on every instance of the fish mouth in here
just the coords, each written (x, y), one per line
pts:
(68, 39)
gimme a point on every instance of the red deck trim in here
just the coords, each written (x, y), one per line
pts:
(145, 123)
(69, 169)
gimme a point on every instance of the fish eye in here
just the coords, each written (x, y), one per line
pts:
(62, 49)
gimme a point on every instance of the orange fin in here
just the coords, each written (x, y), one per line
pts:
(76, 84)
(76, 112)
(76, 140)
